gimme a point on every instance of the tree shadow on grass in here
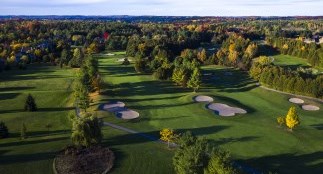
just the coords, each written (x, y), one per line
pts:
(3, 152)
(8, 96)
(317, 126)
(55, 109)
(154, 135)
(15, 88)
(160, 119)
(23, 158)
(38, 110)
(222, 141)
(118, 70)
(238, 81)
(143, 88)
(29, 142)
(289, 163)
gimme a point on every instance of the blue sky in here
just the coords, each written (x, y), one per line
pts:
(163, 7)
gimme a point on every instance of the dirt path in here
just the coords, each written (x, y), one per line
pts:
(310, 98)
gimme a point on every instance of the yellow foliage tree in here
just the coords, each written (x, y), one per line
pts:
(292, 119)
(281, 121)
(167, 135)
(202, 55)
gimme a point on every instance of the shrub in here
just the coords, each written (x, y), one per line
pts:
(281, 121)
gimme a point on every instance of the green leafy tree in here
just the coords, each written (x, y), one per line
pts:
(195, 80)
(191, 156)
(180, 76)
(86, 131)
(4, 133)
(219, 163)
(30, 104)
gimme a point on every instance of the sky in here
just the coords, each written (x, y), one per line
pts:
(164, 7)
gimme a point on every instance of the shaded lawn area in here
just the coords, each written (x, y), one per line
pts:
(50, 87)
(248, 137)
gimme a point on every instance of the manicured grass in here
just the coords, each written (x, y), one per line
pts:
(253, 139)
(286, 60)
(51, 88)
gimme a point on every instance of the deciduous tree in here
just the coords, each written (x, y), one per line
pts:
(292, 119)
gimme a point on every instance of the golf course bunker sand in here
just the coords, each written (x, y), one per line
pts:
(226, 110)
(310, 108)
(110, 54)
(296, 100)
(122, 60)
(203, 98)
(127, 114)
(119, 109)
(114, 107)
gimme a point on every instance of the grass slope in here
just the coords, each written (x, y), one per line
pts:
(286, 60)
(51, 88)
(254, 138)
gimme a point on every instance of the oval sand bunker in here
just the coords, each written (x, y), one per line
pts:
(203, 98)
(225, 110)
(127, 114)
(310, 108)
(296, 100)
(114, 107)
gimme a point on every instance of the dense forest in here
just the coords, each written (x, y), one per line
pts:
(174, 49)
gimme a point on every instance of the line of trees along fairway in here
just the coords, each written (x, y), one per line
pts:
(310, 51)
(88, 80)
(287, 80)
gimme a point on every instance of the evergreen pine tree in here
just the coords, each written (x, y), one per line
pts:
(195, 80)
(30, 104)
(3, 130)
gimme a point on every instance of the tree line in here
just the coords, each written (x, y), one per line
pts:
(287, 80)
(310, 51)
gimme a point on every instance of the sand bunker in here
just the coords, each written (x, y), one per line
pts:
(114, 107)
(226, 110)
(203, 98)
(296, 100)
(120, 110)
(110, 54)
(122, 60)
(310, 108)
(127, 114)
